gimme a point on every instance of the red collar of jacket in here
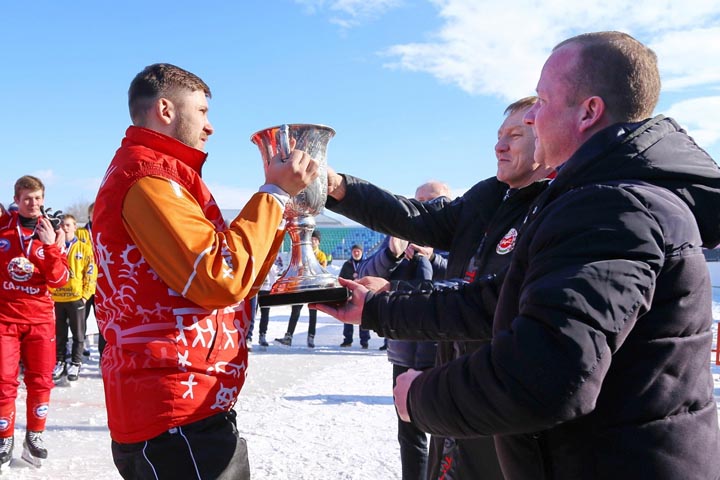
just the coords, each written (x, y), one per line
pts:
(190, 156)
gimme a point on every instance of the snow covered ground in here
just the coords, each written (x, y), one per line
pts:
(306, 414)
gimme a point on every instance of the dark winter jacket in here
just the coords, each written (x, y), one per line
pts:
(479, 221)
(349, 269)
(598, 365)
(405, 274)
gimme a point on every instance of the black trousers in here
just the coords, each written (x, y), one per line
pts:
(90, 304)
(70, 314)
(295, 316)
(207, 449)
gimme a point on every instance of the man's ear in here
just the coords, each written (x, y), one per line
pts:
(164, 111)
(592, 113)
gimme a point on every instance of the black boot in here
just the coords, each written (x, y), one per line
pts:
(6, 450)
(34, 451)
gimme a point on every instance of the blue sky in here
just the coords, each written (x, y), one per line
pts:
(414, 89)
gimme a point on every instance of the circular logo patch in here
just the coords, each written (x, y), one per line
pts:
(20, 269)
(507, 243)
(41, 410)
(4, 424)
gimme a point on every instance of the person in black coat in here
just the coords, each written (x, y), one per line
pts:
(479, 231)
(350, 270)
(598, 362)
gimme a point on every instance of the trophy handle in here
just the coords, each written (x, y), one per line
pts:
(284, 141)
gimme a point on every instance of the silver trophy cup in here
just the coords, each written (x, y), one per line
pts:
(305, 280)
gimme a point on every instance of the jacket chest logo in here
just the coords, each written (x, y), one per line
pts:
(20, 269)
(507, 243)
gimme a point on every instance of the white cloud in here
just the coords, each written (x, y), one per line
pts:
(491, 48)
(350, 13)
(700, 117)
(688, 58)
(497, 49)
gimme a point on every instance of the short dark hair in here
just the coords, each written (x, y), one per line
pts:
(28, 182)
(159, 80)
(617, 68)
(522, 104)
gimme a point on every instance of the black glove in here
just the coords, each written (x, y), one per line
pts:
(55, 218)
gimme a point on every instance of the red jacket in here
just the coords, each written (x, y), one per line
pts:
(27, 269)
(172, 279)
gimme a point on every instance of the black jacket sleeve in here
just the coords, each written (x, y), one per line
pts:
(452, 310)
(430, 223)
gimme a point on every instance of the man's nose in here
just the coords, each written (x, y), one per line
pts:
(529, 117)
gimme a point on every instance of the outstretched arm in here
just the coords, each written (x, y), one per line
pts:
(435, 311)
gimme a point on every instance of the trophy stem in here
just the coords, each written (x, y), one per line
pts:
(305, 280)
(302, 257)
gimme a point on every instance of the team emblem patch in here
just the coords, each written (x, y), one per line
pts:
(4, 424)
(20, 269)
(41, 410)
(507, 243)
(4, 245)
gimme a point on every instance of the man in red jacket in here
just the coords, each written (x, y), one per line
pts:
(31, 260)
(173, 280)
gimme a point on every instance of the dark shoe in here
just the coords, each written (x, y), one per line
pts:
(364, 346)
(311, 341)
(6, 450)
(383, 347)
(286, 340)
(34, 451)
(346, 344)
(262, 341)
(86, 353)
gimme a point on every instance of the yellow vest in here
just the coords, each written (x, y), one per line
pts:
(83, 274)
(321, 258)
(83, 234)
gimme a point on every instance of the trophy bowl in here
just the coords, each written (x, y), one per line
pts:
(305, 280)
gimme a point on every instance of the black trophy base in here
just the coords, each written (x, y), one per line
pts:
(320, 295)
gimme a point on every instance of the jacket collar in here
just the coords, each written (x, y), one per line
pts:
(190, 156)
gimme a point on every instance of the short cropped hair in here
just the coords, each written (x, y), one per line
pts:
(519, 105)
(30, 183)
(620, 70)
(70, 216)
(159, 80)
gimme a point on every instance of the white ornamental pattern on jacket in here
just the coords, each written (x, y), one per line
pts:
(194, 327)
